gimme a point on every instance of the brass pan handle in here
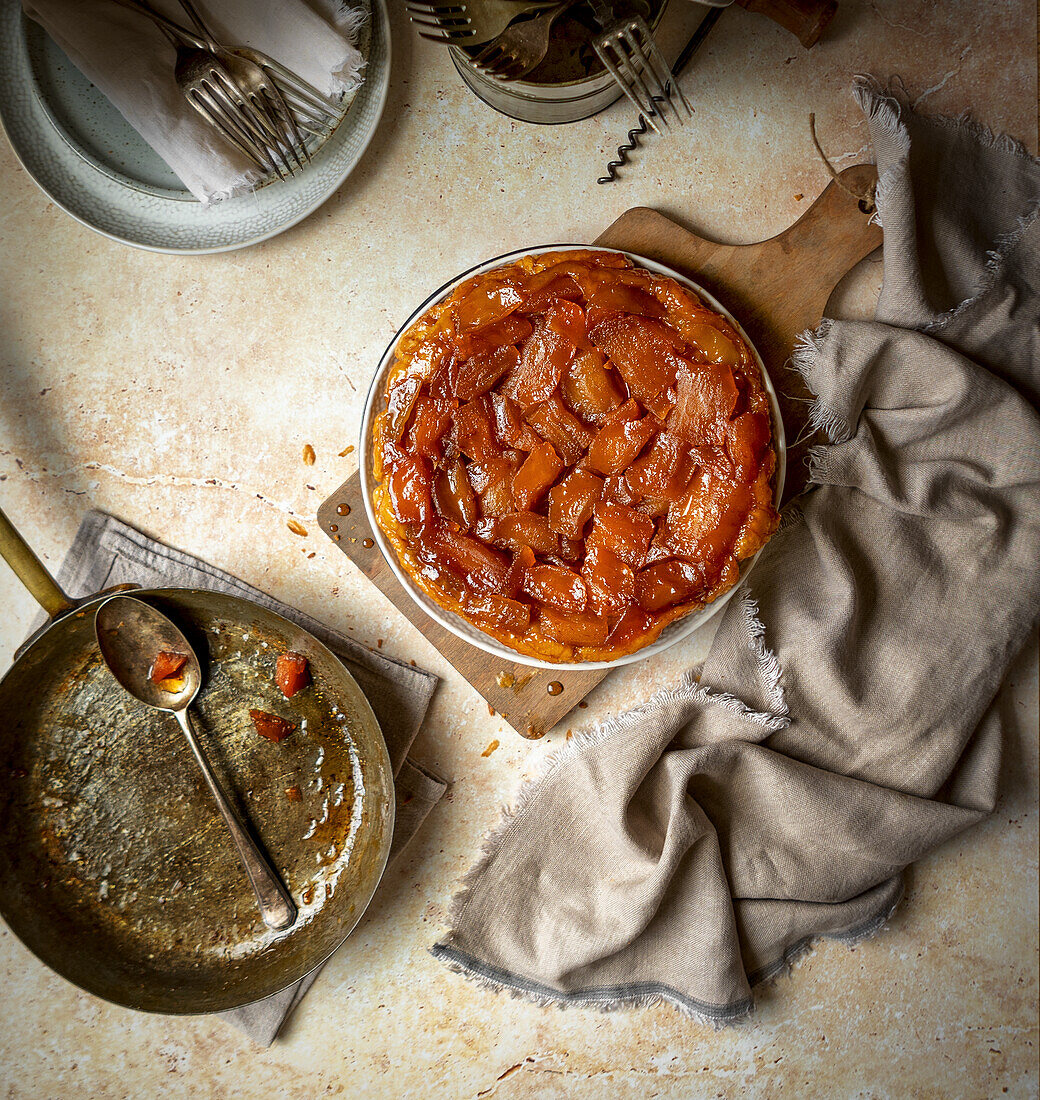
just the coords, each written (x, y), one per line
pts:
(30, 571)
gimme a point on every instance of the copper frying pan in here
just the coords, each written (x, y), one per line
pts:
(115, 868)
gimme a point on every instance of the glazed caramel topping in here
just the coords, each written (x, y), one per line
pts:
(573, 453)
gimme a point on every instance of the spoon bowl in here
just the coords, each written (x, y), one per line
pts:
(131, 634)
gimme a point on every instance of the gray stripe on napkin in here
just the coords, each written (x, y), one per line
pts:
(107, 552)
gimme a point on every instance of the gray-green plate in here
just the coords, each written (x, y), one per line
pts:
(92, 163)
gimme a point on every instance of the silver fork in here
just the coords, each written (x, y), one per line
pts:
(629, 53)
(467, 22)
(269, 110)
(521, 46)
(208, 88)
(313, 111)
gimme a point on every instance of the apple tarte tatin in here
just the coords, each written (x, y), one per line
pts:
(571, 453)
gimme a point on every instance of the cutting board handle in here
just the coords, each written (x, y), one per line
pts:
(805, 19)
(30, 570)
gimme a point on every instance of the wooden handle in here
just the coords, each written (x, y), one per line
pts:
(805, 19)
(30, 571)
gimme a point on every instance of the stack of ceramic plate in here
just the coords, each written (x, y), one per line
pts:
(94, 165)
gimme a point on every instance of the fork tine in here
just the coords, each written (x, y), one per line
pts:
(438, 9)
(646, 109)
(271, 99)
(214, 118)
(249, 128)
(503, 66)
(455, 37)
(305, 105)
(260, 126)
(488, 55)
(256, 114)
(651, 81)
(438, 24)
(283, 116)
(286, 79)
(304, 114)
(656, 58)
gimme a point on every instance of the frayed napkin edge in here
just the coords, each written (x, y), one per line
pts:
(652, 994)
(886, 108)
(644, 994)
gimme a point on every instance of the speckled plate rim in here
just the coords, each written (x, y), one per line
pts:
(674, 632)
(114, 210)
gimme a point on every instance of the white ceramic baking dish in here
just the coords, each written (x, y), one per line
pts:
(672, 633)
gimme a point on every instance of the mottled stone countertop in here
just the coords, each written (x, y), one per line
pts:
(148, 386)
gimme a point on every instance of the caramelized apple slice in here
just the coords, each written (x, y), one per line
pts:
(291, 673)
(625, 299)
(617, 490)
(500, 613)
(479, 373)
(618, 443)
(668, 583)
(539, 470)
(664, 470)
(762, 520)
(706, 395)
(590, 387)
(706, 521)
(484, 569)
(485, 305)
(746, 440)
(502, 334)
(553, 584)
(399, 404)
(540, 296)
(453, 495)
(511, 430)
(623, 531)
(543, 359)
(711, 345)
(271, 726)
(635, 625)
(519, 529)
(554, 422)
(571, 502)
(492, 481)
(523, 559)
(611, 583)
(567, 320)
(571, 629)
(166, 666)
(645, 352)
(430, 420)
(471, 431)
(409, 489)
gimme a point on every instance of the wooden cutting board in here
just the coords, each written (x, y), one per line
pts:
(776, 289)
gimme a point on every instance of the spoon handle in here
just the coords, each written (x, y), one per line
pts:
(276, 906)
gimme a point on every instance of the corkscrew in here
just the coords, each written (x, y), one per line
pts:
(806, 19)
(642, 126)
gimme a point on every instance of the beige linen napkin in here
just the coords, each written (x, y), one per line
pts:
(131, 61)
(107, 552)
(843, 725)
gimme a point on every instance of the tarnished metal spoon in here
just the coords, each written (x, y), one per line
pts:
(131, 634)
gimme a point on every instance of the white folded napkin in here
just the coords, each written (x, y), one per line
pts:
(131, 61)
